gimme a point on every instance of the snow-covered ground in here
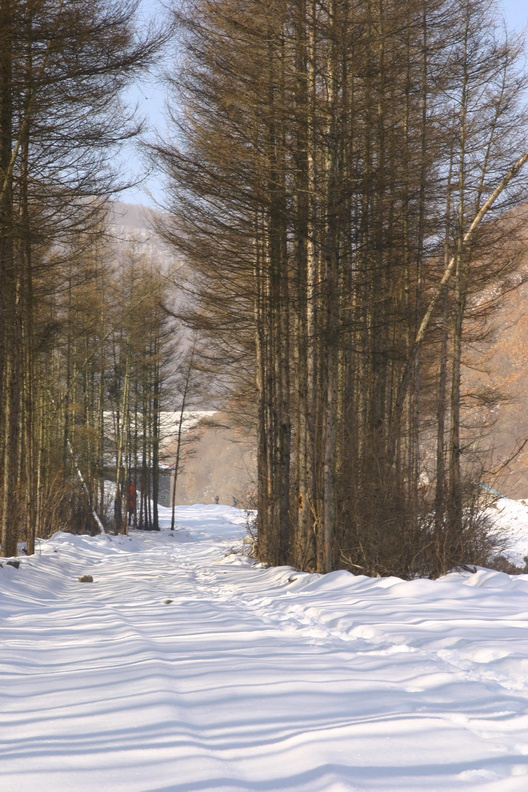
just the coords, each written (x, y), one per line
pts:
(510, 520)
(184, 668)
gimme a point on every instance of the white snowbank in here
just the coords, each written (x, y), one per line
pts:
(511, 520)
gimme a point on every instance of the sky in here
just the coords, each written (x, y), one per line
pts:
(149, 96)
(516, 12)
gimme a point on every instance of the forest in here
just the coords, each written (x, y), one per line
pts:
(84, 342)
(345, 183)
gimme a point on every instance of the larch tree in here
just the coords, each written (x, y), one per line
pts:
(64, 64)
(337, 172)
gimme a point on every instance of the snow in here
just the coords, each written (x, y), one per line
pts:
(510, 519)
(184, 667)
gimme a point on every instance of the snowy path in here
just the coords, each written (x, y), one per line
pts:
(253, 679)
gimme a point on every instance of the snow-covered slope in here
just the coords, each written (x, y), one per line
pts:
(184, 668)
(510, 520)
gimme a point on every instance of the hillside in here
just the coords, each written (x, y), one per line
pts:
(219, 462)
(501, 366)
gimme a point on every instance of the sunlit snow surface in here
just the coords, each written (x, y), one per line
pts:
(251, 678)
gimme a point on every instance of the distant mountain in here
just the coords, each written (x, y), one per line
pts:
(132, 221)
(132, 217)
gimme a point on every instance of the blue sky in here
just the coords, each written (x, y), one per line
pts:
(149, 96)
(516, 12)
